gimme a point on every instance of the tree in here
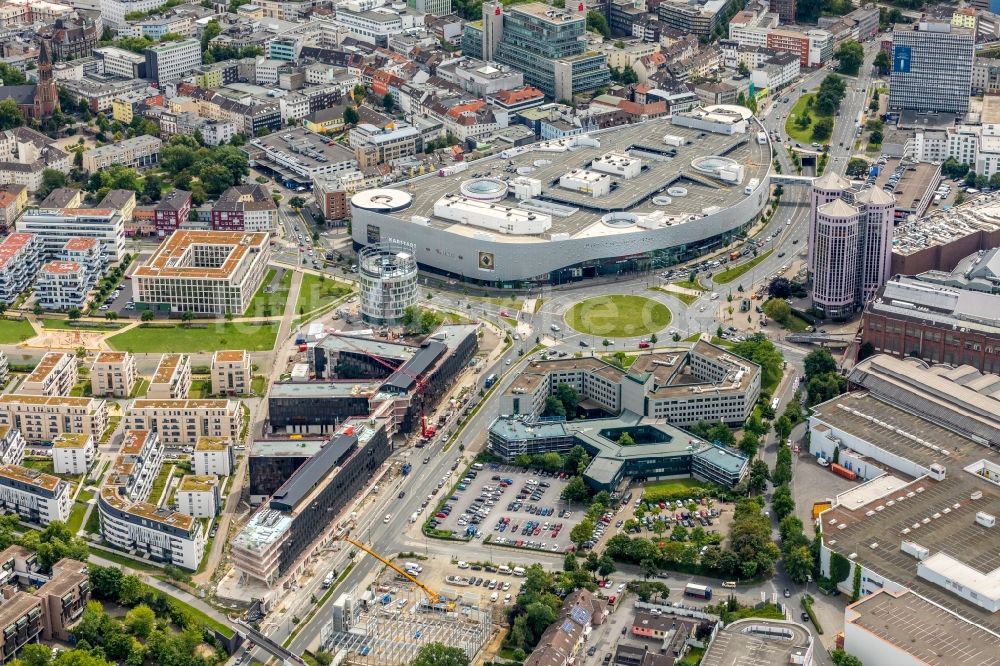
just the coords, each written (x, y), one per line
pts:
(851, 55)
(778, 310)
(597, 23)
(388, 102)
(187, 316)
(882, 62)
(439, 654)
(147, 315)
(140, 621)
(35, 654)
(606, 566)
(11, 115)
(865, 350)
(297, 203)
(351, 116)
(759, 475)
(749, 444)
(210, 32)
(780, 288)
(11, 76)
(799, 563)
(782, 501)
(582, 531)
(51, 179)
(822, 129)
(841, 658)
(74, 313)
(876, 137)
(111, 315)
(819, 362)
(857, 167)
(625, 439)
(649, 568)
(553, 407)
(576, 490)
(569, 398)
(782, 427)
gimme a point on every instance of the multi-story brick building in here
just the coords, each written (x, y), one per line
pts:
(171, 212)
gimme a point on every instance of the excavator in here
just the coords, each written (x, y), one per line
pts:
(432, 596)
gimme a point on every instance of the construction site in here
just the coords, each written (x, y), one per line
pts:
(387, 622)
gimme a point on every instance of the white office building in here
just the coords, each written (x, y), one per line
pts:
(53, 229)
(169, 61)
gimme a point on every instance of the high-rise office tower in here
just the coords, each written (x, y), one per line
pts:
(492, 28)
(931, 68)
(850, 245)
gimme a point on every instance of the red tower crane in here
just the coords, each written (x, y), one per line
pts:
(426, 431)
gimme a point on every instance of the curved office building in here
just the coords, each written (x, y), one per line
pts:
(610, 202)
(388, 282)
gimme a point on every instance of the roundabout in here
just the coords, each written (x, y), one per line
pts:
(618, 316)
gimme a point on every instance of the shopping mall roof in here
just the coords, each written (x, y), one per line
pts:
(579, 213)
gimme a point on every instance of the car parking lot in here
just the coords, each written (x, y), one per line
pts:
(513, 507)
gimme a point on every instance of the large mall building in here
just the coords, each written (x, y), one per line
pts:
(617, 201)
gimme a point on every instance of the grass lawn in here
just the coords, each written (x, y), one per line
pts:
(626, 361)
(686, 299)
(157, 338)
(316, 292)
(44, 465)
(200, 388)
(85, 495)
(727, 276)
(270, 304)
(70, 325)
(81, 389)
(720, 342)
(258, 385)
(795, 324)
(692, 658)
(93, 525)
(794, 131)
(113, 422)
(692, 338)
(688, 284)
(124, 560)
(75, 521)
(140, 388)
(159, 484)
(13, 331)
(617, 316)
(510, 321)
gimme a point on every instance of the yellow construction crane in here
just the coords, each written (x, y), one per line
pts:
(432, 596)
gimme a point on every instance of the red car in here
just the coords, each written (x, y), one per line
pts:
(643, 345)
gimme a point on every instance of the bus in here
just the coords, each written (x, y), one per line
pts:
(700, 591)
(490, 381)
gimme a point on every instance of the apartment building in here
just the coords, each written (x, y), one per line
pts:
(231, 372)
(61, 285)
(11, 446)
(172, 379)
(198, 496)
(13, 199)
(373, 145)
(205, 272)
(171, 212)
(25, 154)
(245, 208)
(55, 375)
(113, 374)
(213, 455)
(35, 497)
(138, 152)
(73, 453)
(54, 229)
(87, 253)
(168, 62)
(133, 521)
(43, 418)
(19, 262)
(64, 598)
(183, 422)
(23, 613)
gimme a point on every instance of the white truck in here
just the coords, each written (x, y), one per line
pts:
(414, 516)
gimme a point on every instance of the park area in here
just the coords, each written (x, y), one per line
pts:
(794, 127)
(316, 291)
(193, 338)
(618, 316)
(13, 331)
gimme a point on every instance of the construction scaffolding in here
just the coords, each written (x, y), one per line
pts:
(387, 626)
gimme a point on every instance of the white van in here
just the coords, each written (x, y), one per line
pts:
(504, 569)
(412, 566)
(518, 571)
(477, 466)
(715, 295)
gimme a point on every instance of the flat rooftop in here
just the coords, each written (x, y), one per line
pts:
(111, 357)
(938, 515)
(758, 642)
(180, 403)
(941, 227)
(278, 448)
(198, 483)
(303, 148)
(230, 356)
(934, 635)
(167, 367)
(913, 184)
(578, 213)
(212, 444)
(336, 389)
(174, 258)
(364, 345)
(71, 440)
(46, 366)
(31, 477)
